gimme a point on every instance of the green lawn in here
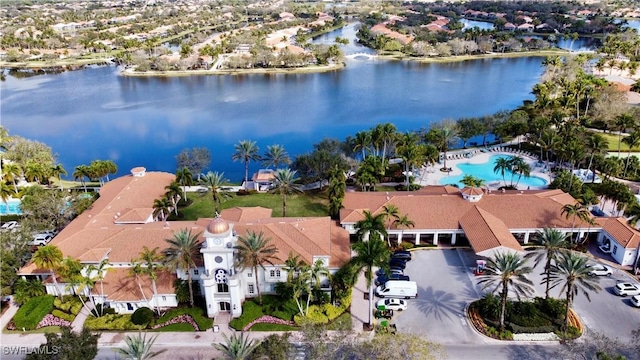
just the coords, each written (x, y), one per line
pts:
(613, 143)
(298, 205)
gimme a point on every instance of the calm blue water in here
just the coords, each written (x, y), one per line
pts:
(97, 114)
(485, 172)
(634, 24)
(482, 25)
(11, 207)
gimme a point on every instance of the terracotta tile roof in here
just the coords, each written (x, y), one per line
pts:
(264, 175)
(517, 209)
(305, 236)
(94, 255)
(134, 216)
(625, 235)
(472, 191)
(120, 285)
(240, 214)
(486, 232)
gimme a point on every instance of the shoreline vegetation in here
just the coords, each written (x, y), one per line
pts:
(74, 64)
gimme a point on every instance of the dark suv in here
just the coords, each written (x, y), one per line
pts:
(384, 278)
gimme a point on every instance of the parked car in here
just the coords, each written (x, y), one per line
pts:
(635, 301)
(9, 225)
(626, 289)
(600, 270)
(392, 271)
(393, 304)
(41, 239)
(401, 254)
(384, 278)
(605, 248)
(398, 263)
(53, 232)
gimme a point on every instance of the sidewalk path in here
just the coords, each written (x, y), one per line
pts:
(8, 315)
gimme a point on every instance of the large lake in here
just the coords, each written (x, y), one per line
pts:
(97, 114)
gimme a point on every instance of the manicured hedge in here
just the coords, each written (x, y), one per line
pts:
(63, 315)
(142, 316)
(196, 313)
(69, 304)
(33, 311)
(250, 312)
(112, 322)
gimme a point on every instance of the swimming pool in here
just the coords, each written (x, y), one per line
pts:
(485, 172)
(11, 207)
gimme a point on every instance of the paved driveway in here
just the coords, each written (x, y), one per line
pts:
(444, 288)
(446, 284)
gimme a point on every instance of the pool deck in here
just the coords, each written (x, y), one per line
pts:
(431, 175)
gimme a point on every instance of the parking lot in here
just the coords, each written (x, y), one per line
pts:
(446, 284)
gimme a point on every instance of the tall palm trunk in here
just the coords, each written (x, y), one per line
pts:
(568, 306)
(547, 278)
(55, 283)
(255, 274)
(503, 307)
(190, 281)
(246, 173)
(284, 205)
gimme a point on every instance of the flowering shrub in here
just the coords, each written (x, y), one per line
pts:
(50, 320)
(186, 319)
(267, 319)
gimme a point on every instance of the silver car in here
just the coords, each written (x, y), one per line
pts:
(599, 270)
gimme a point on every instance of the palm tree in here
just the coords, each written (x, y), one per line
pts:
(284, 183)
(596, 144)
(236, 347)
(633, 214)
(622, 122)
(137, 271)
(34, 172)
(246, 150)
(58, 170)
(577, 211)
(362, 142)
(79, 173)
(371, 227)
(181, 254)
(501, 167)
(520, 167)
(471, 181)
(49, 257)
(100, 270)
(255, 250)
(410, 152)
(161, 208)
(504, 272)
(173, 193)
(11, 172)
(632, 140)
(276, 155)
(316, 272)
(292, 265)
(214, 182)
(442, 135)
(391, 213)
(572, 272)
(139, 347)
(184, 177)
(151, 261)
(554, 242)
(370, 254)
(6, 192)
(403, 221)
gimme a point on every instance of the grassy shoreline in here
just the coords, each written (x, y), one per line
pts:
(71, 63)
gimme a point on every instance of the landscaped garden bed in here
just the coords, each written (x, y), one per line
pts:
(178, 319)
(276, 314)
(540, 319)
(45, 311)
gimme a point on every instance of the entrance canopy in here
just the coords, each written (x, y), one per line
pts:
(487, 234)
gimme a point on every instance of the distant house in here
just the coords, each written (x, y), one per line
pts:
(526, 27)
(262, 180)
(509, 26)
(382, 29)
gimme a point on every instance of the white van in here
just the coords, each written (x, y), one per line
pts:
(398, 289)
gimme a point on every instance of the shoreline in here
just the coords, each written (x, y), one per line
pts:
(78, 63)
(180, 73)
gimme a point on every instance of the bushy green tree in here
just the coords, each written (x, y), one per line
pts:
(68, 345)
